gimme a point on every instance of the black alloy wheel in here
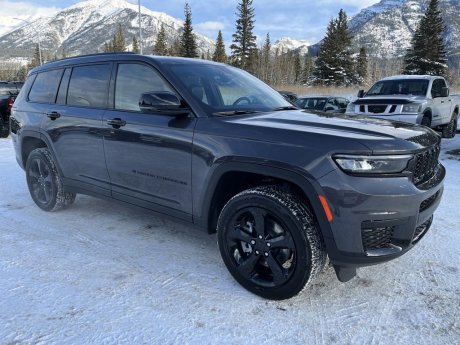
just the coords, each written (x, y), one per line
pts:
(270, 242)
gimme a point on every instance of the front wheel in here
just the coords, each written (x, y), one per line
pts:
(270, 242)
(45, 183)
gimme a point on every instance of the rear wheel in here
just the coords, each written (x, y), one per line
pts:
(4, 130)
(44, 182)
(270, 242)
(449, 130)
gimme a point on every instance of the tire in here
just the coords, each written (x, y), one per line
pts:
(4, 130)
(278, 260)
(449, 130)
(44, 182)
(426, 121)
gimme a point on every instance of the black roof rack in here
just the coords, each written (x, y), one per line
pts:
(95, 54)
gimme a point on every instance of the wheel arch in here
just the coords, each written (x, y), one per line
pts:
(240, 176)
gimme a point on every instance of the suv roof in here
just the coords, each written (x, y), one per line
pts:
(100, 57)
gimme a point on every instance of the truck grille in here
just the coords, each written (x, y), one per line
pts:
(421, 230)
(378, 237)
(376, 109)
(425, 165)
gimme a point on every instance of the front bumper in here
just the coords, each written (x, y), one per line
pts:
(376, 219)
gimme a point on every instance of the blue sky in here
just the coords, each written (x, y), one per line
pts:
(299, 19)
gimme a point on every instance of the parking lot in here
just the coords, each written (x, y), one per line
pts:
(101, 273)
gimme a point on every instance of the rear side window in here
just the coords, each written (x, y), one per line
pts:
(45, 86)
(132, 81)
(88, 86)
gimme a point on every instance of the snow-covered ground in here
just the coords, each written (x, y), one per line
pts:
(102, 273)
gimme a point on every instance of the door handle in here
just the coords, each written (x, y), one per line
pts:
(442, 102)
(53, 115)
(116, 123)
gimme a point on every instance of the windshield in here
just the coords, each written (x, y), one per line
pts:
(417, 87)
(225, 90)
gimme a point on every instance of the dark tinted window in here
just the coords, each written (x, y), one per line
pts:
(436, 89)
(132, 81)
(45, 86)
(88, 86)
(62, 93)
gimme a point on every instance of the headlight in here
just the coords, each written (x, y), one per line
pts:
(412, 108)
(372, 164)
(350, 108)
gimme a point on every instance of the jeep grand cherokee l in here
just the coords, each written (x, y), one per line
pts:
(212, 145)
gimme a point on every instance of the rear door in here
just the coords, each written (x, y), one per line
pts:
(74, 126)
(148, 155)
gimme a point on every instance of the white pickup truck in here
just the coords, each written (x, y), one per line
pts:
(420, 99)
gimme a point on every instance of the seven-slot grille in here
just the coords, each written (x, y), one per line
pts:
(425, 164)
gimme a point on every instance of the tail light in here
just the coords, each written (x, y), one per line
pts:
(10, 103)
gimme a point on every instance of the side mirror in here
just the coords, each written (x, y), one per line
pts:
(360, 93)
(163, 102)
(445, 92)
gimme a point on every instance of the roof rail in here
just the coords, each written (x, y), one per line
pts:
(95, 54)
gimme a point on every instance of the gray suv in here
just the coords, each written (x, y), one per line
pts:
(213, 146)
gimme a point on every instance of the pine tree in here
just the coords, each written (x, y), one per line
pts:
(307, 70)
(219, 54)
(265, 61)
(175, 49)
(135, 45)
(297, 67)
(35, 58)
(244, 41)
(160, 47)
(334, 65)
(427, 54)
(361, 67)
(118, 41)
(188, 40)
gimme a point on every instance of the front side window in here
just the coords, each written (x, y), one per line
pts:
(132, 81)
(436, 89)
(88, 86)
(45, 86)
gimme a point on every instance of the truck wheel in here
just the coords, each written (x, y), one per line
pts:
(270, 242)
(449, 130)
(426, 121)
(4, 131)
(45, 184)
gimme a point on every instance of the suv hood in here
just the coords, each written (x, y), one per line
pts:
(375, 134)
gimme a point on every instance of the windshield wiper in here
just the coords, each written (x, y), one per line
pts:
(235, 112)
(289, 107)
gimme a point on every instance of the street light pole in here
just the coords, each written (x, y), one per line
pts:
(140, 26)
(38, 37)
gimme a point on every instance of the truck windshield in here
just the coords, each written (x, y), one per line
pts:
(225, 90)
(415, 87)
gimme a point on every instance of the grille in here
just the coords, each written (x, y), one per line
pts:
(375, 238)
(428, 202)
(421, 230)
(425, 165)
(376, 109)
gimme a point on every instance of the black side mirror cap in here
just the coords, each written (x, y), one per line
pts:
(360, 93)
(445, 92)
(162, 103)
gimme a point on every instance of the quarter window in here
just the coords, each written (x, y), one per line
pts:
(45, 87)
(132, 81)
(88, 86)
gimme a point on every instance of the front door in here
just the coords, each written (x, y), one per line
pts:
(148, 155)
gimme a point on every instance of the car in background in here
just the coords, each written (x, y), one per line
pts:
(8, 93)
(323, 104)
(289, 96)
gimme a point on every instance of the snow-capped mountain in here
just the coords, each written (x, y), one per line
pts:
(86, 26)
(386, 28)
(285, 43)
